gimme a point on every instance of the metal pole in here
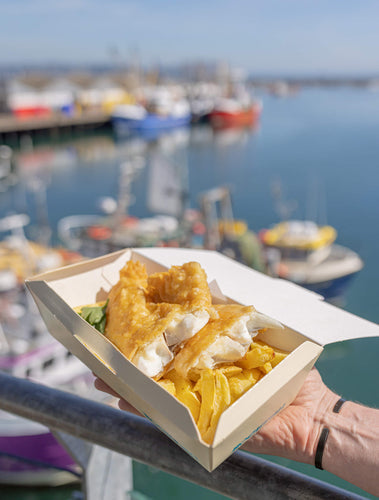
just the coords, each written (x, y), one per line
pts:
(242, 476)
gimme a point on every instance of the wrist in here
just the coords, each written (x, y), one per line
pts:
(352, 447)
(322, 419)
(323, 437)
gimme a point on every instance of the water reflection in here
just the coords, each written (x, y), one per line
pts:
(91, 148)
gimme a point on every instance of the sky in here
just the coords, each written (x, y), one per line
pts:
(266, 36)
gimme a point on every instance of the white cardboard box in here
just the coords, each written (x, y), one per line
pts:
(309, 324)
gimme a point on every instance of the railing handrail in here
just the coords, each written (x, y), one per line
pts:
(241, 476)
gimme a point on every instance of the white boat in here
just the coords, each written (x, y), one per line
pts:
(305, 253)
(166, 197)
(299, 251)
(29, 453)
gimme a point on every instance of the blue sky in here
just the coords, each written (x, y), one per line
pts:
(274, 36)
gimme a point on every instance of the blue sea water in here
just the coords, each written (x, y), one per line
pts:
(322, 147)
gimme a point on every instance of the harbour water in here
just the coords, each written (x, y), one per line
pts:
(320, 145)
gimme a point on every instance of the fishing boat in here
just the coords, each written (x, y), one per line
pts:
(161, 112)
(299, 251)
(306, 253)
(29, 452)
(138, 120)
(230, 112)
(166, 197)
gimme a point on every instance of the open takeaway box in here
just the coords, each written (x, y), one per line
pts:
(309, 324)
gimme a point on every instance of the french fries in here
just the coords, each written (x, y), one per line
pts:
(215, 390)
(257, 356)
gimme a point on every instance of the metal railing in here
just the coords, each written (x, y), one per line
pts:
(241, 476)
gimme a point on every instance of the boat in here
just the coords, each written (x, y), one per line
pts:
(202, 96)
(160, 112)
(137, 120)
(170, 223)
(305, 253)
(299, 251)
(236, 108)
(201, 109)
(29, 453)
(93, 235)
(230, 112)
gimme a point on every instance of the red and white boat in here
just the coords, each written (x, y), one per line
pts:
(229, 112)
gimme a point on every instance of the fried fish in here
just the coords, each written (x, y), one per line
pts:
(224, 339)
(148, 318)
(185, 286)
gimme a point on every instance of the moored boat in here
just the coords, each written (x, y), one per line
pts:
(306, 254)
(29, 452)
(160, 113)
(232, 113)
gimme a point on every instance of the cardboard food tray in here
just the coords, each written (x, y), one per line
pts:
(309, 323)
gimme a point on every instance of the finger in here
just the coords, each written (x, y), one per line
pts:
(103, 387)
(122, 404)
(125, 406)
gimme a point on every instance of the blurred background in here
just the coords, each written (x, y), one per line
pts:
(248, 127)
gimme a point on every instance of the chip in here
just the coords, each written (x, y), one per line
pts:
(266, 367)
(208, 393)
(257, 356)
(185, 393)
(168, 385)
(221, 402)
(240, 383)
(279, 355)
(231, 370)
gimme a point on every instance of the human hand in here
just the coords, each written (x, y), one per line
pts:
(294, 432)
(352, 448)
(122, 404)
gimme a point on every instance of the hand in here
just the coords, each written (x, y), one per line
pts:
(352, 448)
(294, 432)
(122, 404)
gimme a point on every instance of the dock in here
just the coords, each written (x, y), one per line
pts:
(12, 127)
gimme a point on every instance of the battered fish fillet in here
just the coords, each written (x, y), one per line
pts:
(224, 339)
(187, 287)
(147, 318)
